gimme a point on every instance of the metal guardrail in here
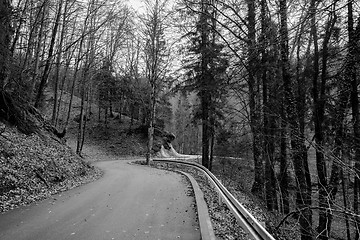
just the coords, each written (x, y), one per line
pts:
(245, 219)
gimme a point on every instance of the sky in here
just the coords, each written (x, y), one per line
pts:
(138, 5)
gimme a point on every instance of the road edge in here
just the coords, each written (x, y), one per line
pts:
(206, 229)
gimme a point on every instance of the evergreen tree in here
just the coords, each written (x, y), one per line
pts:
(205, 72)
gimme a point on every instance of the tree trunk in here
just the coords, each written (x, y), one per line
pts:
(302, 103)
(38, 49)
(337, 162)
(82, 122)
(205, 129)
(73, 85)
(284, 178)
(268, 121)
(58, 64)
(204, 93)
(151, 125)
(319, 112)
(212, 142)
(303, 195)
(344, 185)
(67, 65)
(49, 58)
(85, 121)
(33, 27)
(258, 184)
(354, 36)
(77, 62)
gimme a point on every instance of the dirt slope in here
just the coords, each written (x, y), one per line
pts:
(32, 167)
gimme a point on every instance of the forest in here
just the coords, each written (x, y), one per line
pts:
(275, 81)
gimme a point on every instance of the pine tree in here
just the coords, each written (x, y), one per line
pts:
(205, 73)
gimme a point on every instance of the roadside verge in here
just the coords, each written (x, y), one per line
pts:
(206, 229)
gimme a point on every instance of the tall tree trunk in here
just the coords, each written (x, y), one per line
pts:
(302, 105)
(284, 176)
(67, 65)
(268, 123)
(151, 124)
(38, 49)
(319, 112)
(352, 79)
(337, 163)
(58, 65)
(205, 129)
(83, 107)
(77, 63)
(344, 185)
(81, 120)
(204, 93)
(73, 83)
(49, 58)
(212, 141)
(86, 115)
(303, 195)
(33, 28)
(258, 184)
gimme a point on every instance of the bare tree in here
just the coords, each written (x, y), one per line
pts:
(46, 72)
(303, 198)
(354, 37)
(156, 58)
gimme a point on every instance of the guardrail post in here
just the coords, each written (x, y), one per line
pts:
(220, 199)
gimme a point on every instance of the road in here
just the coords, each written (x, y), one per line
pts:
(128, 202)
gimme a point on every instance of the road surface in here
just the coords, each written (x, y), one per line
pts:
(128, 202)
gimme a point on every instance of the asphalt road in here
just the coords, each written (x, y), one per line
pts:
(128, 202)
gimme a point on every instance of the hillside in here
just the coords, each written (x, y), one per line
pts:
(32, 167)
(122, 137)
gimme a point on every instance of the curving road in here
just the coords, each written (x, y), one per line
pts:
(128, 202)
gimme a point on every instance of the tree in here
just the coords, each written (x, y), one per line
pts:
(319, 100)
(353, 53)
(269, 106)
(46, 72)
(303, 198)
(156, 54)
(58, 64)
(254, 98)
(205, 71)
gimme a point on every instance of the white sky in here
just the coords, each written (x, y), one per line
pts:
(138, 5)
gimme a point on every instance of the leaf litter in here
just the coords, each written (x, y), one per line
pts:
(34, 167)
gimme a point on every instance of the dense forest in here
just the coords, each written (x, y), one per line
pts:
(274, 81)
